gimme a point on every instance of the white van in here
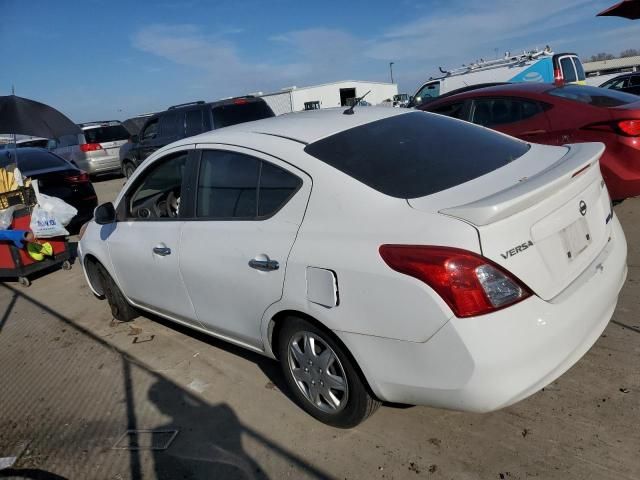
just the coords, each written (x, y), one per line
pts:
(541, 66)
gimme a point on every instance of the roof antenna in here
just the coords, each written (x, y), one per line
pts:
(349, 111)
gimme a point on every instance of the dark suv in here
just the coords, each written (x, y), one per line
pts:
(188, 119)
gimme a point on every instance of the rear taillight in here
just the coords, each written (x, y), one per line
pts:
(469, 283)
(558, 78)
(630, 127)
(82, 177)
(90, 147)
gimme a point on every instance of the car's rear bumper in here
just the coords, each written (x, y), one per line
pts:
(492, 361)
(100, 164)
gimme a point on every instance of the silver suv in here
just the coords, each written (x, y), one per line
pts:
(96, 150)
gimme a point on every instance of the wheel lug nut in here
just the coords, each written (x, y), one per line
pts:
(306, 369)
(321, 383)
(313, 382)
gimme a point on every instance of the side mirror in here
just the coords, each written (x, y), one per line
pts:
(135, 139)
(105, 214)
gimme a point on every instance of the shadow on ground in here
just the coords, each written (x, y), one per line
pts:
(208, 444)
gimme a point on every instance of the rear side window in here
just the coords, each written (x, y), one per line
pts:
(500, 111)
(236, 186)
(151, 130)
(598, 97)
(111, 133)
(615, 84)
(234, 113)
(568, 71)
(416, 154)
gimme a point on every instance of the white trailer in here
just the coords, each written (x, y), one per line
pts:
(328, 95)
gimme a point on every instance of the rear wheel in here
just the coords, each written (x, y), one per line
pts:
(322, 377)
(120, 308)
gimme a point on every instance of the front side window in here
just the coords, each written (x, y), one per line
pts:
(430, 90)
(151, 130)
(454, 110)
(236, 186)
(157, 194)
(615, 84)
(169, 124)
(193, 122)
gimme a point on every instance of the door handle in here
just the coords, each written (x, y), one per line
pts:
(263, 262)
(162, 250)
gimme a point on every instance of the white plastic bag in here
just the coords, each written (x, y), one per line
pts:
(60, 209)
(6, 217)
(45, 225)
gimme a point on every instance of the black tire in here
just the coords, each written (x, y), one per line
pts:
(359, 403)
(128, 168)
(120, 308)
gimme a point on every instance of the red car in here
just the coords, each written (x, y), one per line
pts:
(552, 115)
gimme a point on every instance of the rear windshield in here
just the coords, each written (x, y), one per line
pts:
(31, 160)
(416, 154)
(110, 133)
(598, 97)
(232, 114)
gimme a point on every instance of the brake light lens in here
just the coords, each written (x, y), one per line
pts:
(558, 78)
(630, 127)
(470, 284)
(240, 101)
(90, 147)
(82, 177)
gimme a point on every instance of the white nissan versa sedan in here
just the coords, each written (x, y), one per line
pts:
(383, 255)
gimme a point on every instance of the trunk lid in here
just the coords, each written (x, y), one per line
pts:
(544, 217)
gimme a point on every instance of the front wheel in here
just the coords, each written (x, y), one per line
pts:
(128, 169)
(322, 377)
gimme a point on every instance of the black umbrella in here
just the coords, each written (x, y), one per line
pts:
(27, 117)
(24, 116)
(627, 8)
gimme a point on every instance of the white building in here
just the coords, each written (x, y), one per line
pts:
(335, 94)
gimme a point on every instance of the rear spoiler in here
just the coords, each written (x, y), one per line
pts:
(579, 159)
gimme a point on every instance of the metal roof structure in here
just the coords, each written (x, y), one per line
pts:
(613, 64)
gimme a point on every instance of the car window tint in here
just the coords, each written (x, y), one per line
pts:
(499, 111)
(276, 187)
(151, 130)
(193, 122)
(598, 97)
(159, 187)
(634, 81)
(227, 185)
(568, 71)
(616, 84)
(169, 124)
(111, 133)
(416, 154)
(243, 111)
(453, 110)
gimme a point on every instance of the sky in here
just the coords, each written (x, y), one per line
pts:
(110, 59)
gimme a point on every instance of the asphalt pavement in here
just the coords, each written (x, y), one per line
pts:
(85, 397)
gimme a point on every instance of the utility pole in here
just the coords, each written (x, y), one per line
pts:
(391, 70)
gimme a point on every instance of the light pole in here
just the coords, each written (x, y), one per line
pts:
(391, 70)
